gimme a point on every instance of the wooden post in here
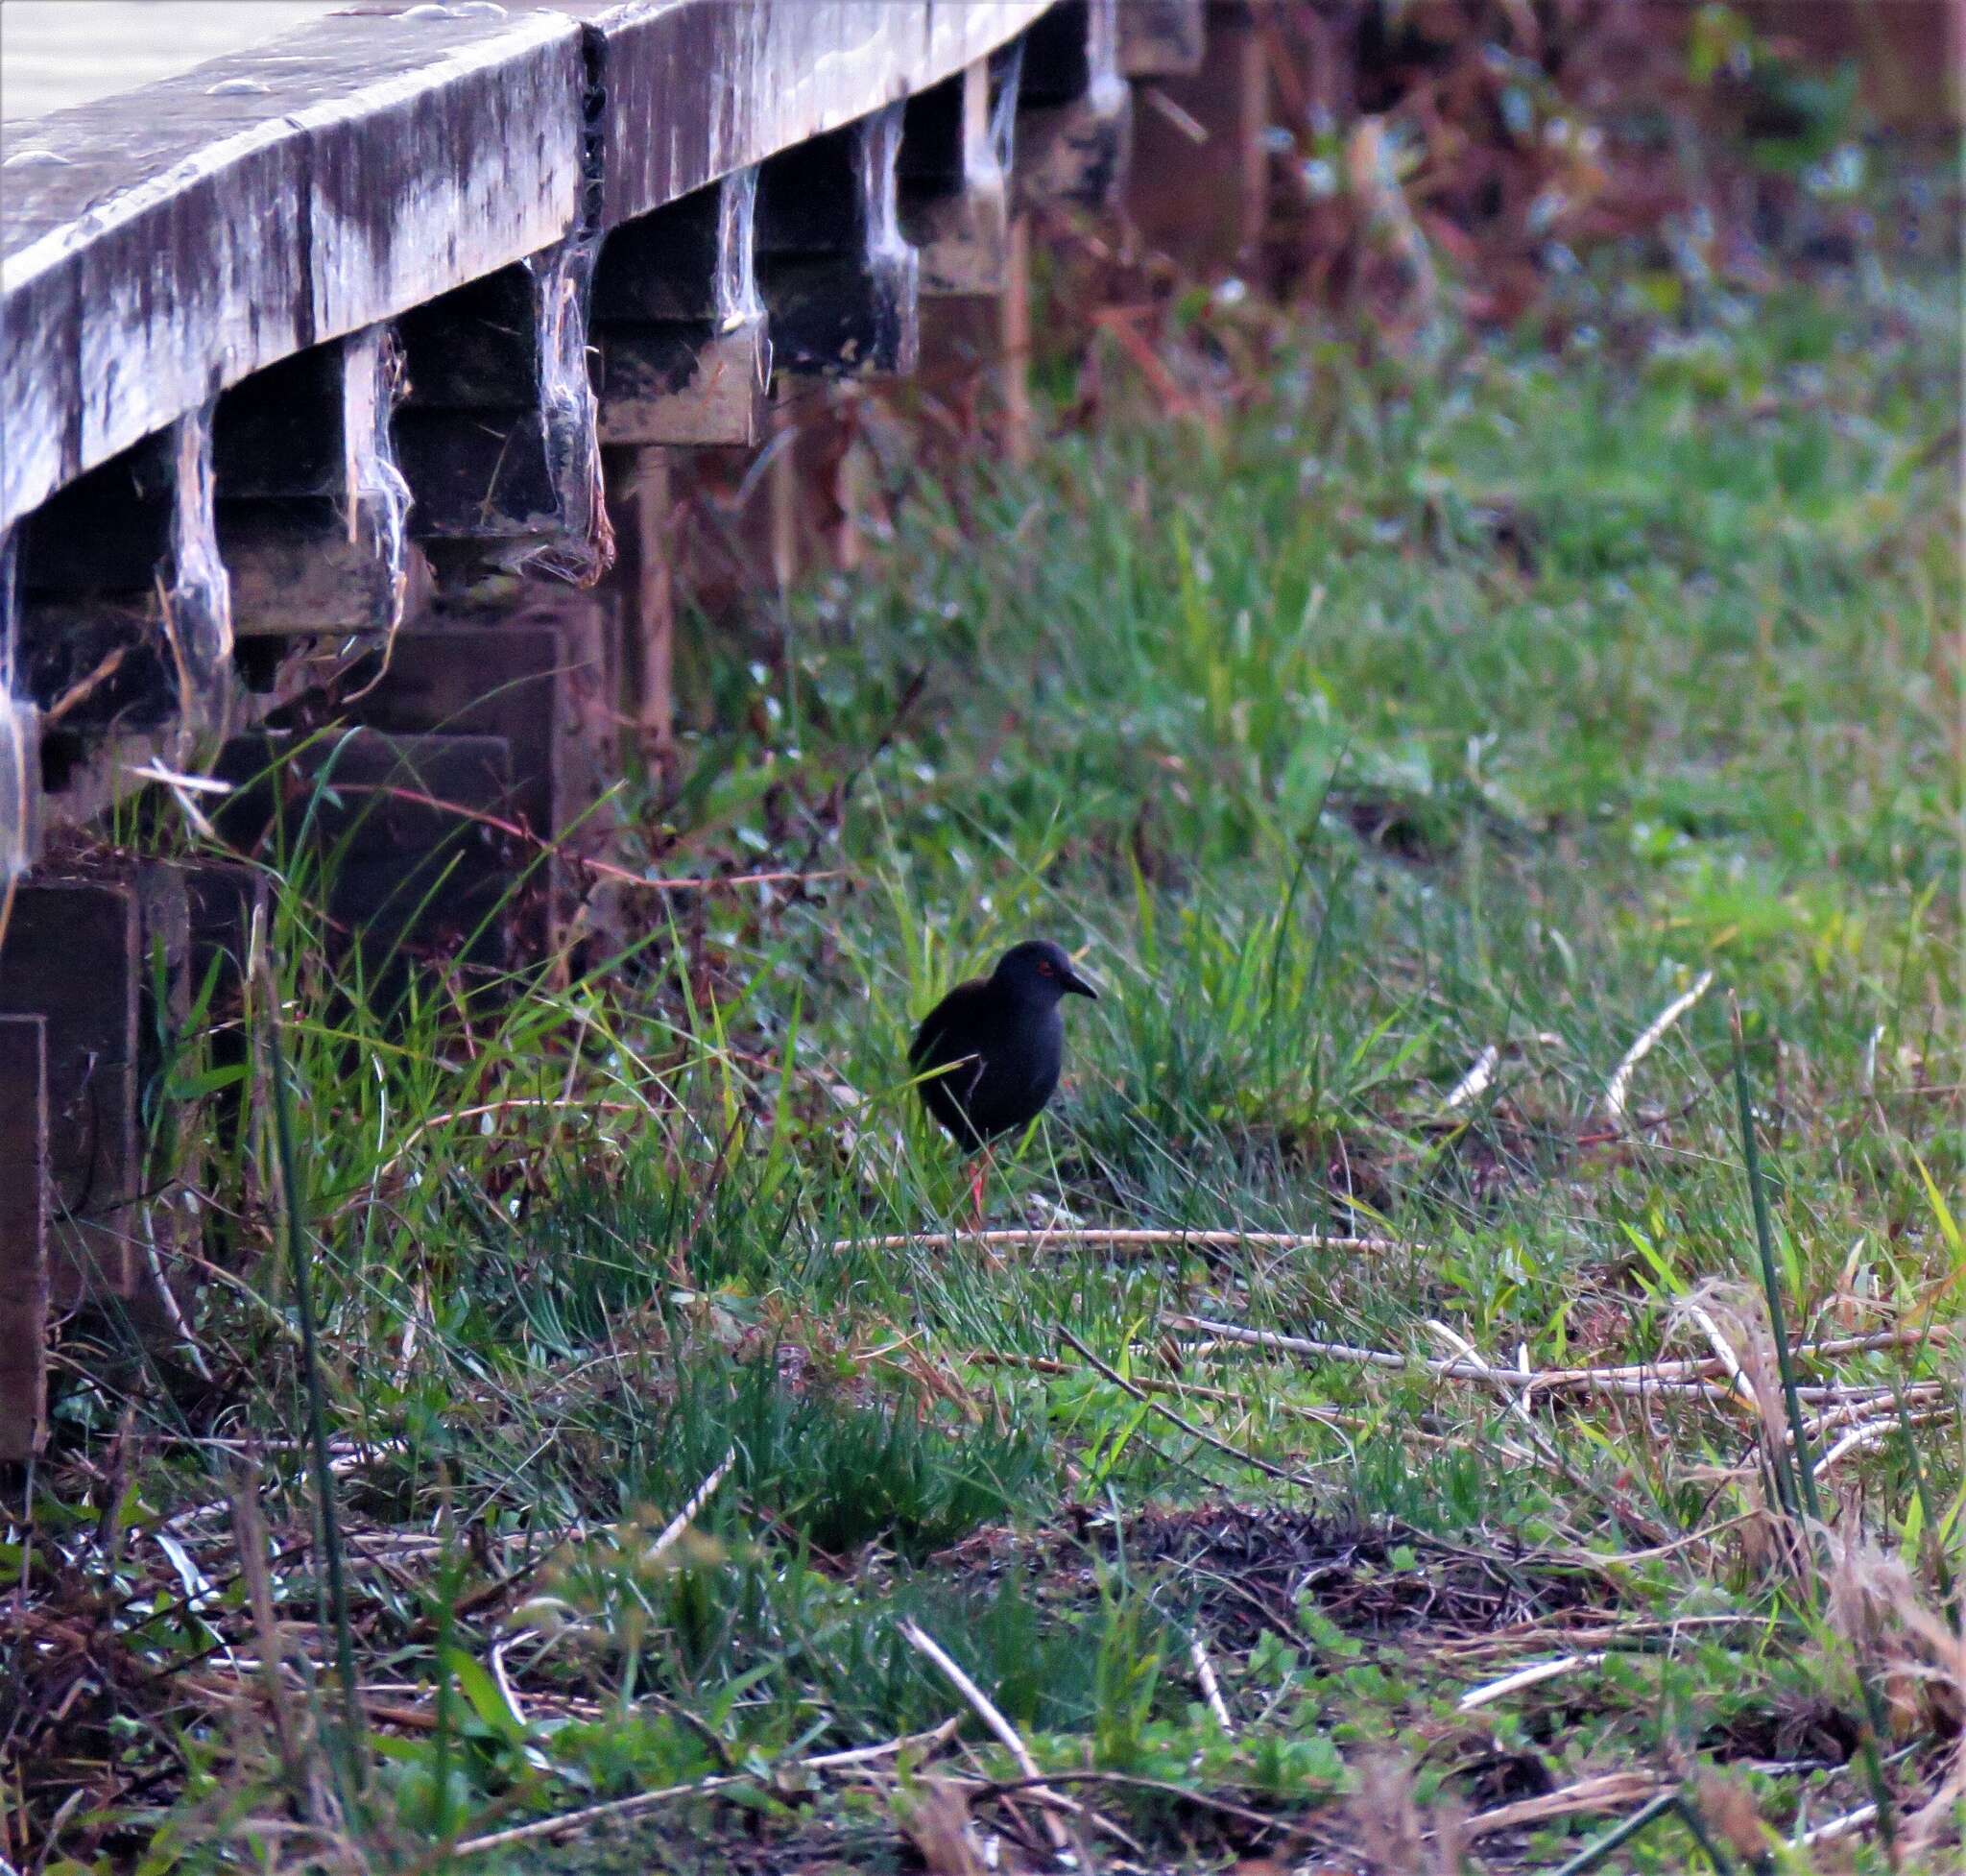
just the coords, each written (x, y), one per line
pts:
(73, 958)
(1014, 345)
(651, 614)
(23, 1236)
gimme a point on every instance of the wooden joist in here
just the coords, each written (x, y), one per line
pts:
(839, 279)
(954, 175)
(1074, 114)
(497, 438)
(311, 507)
(682, 347)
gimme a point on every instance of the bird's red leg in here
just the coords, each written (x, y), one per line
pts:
(976, 1172)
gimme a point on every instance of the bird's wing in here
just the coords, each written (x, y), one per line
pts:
(946, 1033)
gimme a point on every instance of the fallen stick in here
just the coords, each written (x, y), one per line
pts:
(1533, 1675)
(1187, 1426)
(985, 1709)
(1619, 1085)
(1605, 1380)
(630, 1807)
(1114, 1240)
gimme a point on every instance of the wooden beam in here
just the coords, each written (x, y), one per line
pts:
(681, 339)
(497, 438)
(839, 279)
(1075, 112)
(23, 1236)
(954, 177)
(311, 508)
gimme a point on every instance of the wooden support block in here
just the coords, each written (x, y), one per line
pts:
(73, 956)
(544, 680)
(953, 175)
(839, 280)
(681, 348)
(1199, 187)
(1074, 111)
(23, 1236)
(311, 507)
(1161, 38)
(416, 864)
(497, 438)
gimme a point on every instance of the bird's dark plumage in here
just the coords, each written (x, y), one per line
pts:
(999, 1043)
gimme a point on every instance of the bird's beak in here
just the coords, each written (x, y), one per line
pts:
(1077, 986)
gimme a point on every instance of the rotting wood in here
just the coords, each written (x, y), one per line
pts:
(23, 1236)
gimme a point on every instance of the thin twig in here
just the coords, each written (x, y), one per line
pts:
(923, 1643)
(1619, 1085)
(1263, 1466)
(614, 1809)
(1116, 1239)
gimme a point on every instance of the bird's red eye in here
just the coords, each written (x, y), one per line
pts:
(1046, 971)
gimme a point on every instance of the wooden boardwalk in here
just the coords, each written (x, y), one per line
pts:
(298, 345)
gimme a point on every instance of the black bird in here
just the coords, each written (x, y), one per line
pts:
(998, 1043)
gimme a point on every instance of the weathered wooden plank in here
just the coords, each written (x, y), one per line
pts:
(161, 246)
(73, 956)
(784, 71)
(1075, 112)
(23, 1236)
(1161, 38)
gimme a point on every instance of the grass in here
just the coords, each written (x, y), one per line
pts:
(1397, 716)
